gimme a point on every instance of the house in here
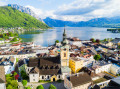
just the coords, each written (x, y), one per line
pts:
(108, 44)
(47, 68)
(75, 64)
(2, 78)
(115, 69)
(77, 81)
(65, 71)
(8, 63)
(87, 61)
(113, 84)
(22, 65)
(75, 41)
(100, 66)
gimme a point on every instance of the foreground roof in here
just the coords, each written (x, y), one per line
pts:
(79, 79)
(2, 74)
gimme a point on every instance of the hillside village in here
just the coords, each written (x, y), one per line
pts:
(71, 64)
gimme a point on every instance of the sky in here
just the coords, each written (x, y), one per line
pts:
(70, 10)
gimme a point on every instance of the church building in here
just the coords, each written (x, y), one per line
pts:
(50, 68)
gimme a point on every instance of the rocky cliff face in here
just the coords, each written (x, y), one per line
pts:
(25, 10)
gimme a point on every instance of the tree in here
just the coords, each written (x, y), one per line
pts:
(24, 75)
(97, 40)
(12, 72)
(16, 76)
(14, 39)
(28, 88)
(57, 41)
(119, 47)
(105, 40)
(40, 87)
(11, 34)
(15, 34)
(9, 87)
(24, 82)
(52, 87)
(14, 84)
(92, 39)
(97, 57)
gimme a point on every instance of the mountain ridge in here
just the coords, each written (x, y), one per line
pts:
(97, 22)
(25, 10)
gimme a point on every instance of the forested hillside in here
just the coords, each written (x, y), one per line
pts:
(10, 17)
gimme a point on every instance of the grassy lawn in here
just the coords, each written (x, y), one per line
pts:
(42, 81)
(99, 80)
(59, 81)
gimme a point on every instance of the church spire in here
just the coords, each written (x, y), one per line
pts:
(64, 33)
(64, 30)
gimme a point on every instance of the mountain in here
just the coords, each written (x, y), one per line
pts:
(98, 22)
(11, 17)
(25, 10)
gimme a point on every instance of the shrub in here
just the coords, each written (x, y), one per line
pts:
(52, 87)
(40, 87)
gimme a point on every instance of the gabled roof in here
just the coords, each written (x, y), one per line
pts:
(50, 71)
(12, 59)
(21, 62)
(79, 79)
(46, 65)
(33, 62)
(35, 70)
(2, 74)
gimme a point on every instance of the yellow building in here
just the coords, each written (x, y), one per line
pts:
(75, 64)
(118, 43)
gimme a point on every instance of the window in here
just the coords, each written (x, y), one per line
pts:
(47, 77)
(64, 54)
(33, 79)
(33, 75)
(59, 76)
(42, 77)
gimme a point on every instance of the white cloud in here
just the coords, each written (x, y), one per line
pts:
(2, 3)
(82, 10)
(37, 11)
(42, 14)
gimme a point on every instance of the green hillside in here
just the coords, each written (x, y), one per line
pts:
(10, 17)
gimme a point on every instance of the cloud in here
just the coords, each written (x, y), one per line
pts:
(37, 11)
(82, 10)
(42, 14)
(80, 7)
(2, 3)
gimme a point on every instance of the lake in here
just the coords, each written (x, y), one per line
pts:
(48, 37)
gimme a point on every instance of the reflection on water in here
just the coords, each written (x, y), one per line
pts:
(48, 37)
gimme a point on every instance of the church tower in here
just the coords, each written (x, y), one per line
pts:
(64, 52)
